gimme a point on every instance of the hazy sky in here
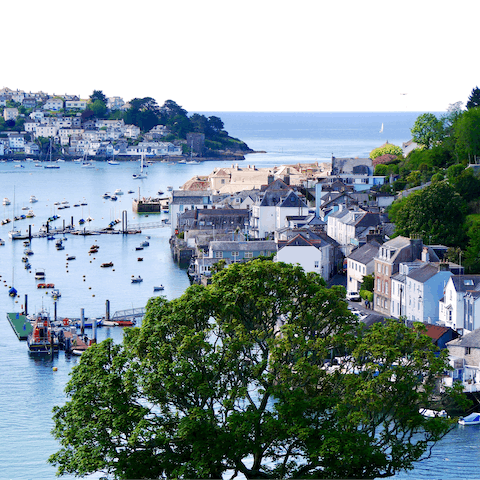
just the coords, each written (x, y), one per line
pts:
(249, 55)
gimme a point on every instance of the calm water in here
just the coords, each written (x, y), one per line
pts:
(29, 387)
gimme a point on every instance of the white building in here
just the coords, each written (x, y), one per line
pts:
(53, 104)
(361, 262)
(10, 114)
(75, 105)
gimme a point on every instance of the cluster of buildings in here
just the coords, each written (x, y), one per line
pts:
(329, 220)
(59, 117)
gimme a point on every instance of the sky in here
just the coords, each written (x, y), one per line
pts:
(249, 55)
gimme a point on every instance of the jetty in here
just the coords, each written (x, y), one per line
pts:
(20, 324)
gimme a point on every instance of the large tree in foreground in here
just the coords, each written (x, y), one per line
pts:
(233, 379)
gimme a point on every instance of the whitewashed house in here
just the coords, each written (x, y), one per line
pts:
(75, 104)
(457, 307)
(10, 114)
(313, 252)
(361, 262)
(53, 104)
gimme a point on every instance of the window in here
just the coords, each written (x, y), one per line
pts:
(468, 350)
(248, 254)
(218, 254)
(317, 264)
(234, 254)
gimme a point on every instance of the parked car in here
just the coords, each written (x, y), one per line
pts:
(353, 296)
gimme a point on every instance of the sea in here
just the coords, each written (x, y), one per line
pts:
(30, 386)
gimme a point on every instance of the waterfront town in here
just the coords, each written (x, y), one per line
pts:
(330, 218)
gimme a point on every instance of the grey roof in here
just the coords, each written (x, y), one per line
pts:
(423, 273)
(471, 339)
(464, 283)
(292, 200)
(269, 245)
(366, 253)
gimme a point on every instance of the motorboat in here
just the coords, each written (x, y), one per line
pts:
(158, 288)
(40, 274)
(41, 339)
(71, 257)
(56, 293)
(138, 279)
(145, 243)
(130, 191)
(472, 419)
(107, 264)
(33, 199)
(118, 191)
(113, 162)
(169, 188)
(113, 198)
(106, 195)
(2, 242)
(30, 214)
(426, 412)
(6, 201)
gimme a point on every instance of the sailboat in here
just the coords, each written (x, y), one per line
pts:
(137, 176)
(50, 164)
(15, 234)
(381, 129)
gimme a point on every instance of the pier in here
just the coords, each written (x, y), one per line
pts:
(132, 314)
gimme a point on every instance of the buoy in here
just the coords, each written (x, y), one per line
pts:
(89, 288)
(54, 369)
(93, 295)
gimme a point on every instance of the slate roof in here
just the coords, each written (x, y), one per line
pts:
(465, 283)
(423, 273)
(293, 200)
(268, 245)
(471, 340)
(366, 253)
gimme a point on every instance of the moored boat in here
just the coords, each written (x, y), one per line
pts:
(158, 288)
(138, 279)
(107, 264)
(41, 339)
(472, 419)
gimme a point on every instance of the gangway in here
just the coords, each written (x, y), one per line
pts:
(131, 314)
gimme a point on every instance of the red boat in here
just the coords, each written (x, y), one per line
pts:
(125, 323)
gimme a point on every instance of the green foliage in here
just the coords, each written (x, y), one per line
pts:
(98, 95)
(98, 108)
(467, 185)
(467, 135)
(474, 99)
(414, 179)
(427, 130)
(207, 385)
(366, 295)
(386, 149)
(368, 282)
(436, 213)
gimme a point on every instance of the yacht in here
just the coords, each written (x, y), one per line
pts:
(33, 199)
(118, 191)
(6, 201)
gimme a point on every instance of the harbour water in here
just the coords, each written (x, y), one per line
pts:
(29, 386)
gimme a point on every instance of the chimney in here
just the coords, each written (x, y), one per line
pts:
(425, 255)
(443, 267)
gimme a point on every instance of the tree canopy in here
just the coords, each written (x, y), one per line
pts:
(436, 213)
(473, 99)
(427, 130)
(232, 378)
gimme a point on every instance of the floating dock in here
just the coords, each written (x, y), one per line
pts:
(21, 326)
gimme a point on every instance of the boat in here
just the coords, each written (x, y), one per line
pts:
(15, 234)
(41, 339)
(81, 221)
(426, 412)
(125, 323)
(107, 264)
(138, 248)
(56, 293)
(39, 274)
(33, 199)
(71, 257)
(139, 259)
(6, 201)
(158, 288)
(381, 129)
(472, 419)
(113, 198)
(118, 191)
(138, 279)
(137, 176)
(145, 243)
(169, 188)
(130, 191)
(113, 162)
(2, 242)
(106, 195)
(28, 251)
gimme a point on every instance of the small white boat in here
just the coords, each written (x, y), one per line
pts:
(40, 274)
(113, 162)
(6, 201)
(118, 191)
(56, 293)
(158, 288)
(472, 419)
(138, 279)
(426, 412)
(2, 242)
(169, 188)
(33, 199)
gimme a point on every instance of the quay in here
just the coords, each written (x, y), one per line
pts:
(21, 326)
